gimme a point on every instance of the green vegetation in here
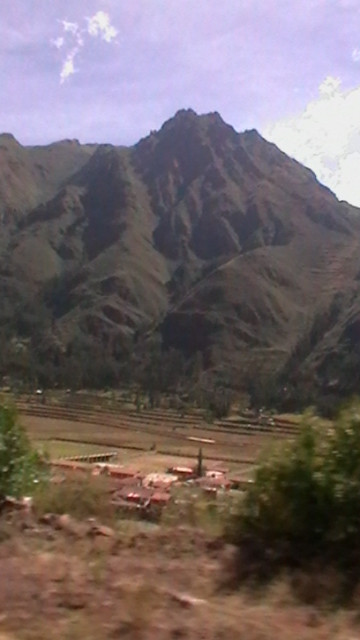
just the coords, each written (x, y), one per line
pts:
(21, 467)
(304, 505)
(192, 509)
(138, 363)
(79, 497)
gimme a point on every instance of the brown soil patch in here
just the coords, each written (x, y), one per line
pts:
(137, 585)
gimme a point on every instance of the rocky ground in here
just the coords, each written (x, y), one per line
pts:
(61, 578)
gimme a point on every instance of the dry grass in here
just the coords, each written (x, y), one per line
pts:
(139, 588)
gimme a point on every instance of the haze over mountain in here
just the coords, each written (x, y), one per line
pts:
(214, 239)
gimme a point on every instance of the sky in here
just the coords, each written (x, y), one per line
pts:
(113, 70)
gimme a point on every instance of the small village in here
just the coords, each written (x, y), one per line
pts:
(149, 459)
(132, 490)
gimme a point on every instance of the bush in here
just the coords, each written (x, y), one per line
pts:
(79, 497)
(304, 505)
(20, 466)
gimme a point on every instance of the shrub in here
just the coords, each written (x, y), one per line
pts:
(20, 466)
(304, 505)
(80, 497)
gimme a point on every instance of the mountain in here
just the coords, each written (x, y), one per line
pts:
(212, 239)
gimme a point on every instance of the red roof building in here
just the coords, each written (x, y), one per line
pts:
(160, 498)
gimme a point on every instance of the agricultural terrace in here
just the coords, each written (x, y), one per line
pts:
(150, 440)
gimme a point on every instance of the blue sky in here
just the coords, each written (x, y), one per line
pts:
(112, 70)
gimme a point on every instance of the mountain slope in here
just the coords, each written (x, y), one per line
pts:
(214, 239)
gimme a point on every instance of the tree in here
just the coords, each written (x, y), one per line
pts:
(20, 465)
(200, 467)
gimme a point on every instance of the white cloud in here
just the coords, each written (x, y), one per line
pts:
(329, 86)
(326, 138)
(68, 68)
(356, 55)
(75, 37)
(99, 25)
(70, 27)
(58, 42)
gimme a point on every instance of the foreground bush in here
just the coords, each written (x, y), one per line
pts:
(21, 467)
(304, 505)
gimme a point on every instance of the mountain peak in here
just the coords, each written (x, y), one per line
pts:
(190, 117)
(7, 139)
(183, 117)
(185, 113)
